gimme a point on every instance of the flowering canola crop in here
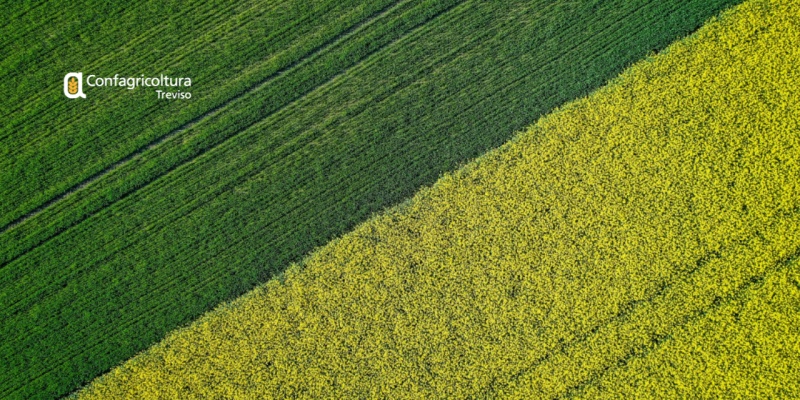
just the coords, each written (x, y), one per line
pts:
(640, 242)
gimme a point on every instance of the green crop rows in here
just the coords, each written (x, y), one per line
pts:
(124, 216)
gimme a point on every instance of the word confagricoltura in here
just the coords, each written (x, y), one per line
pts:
(73, 84)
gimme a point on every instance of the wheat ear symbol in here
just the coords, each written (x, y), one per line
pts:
(72, 85)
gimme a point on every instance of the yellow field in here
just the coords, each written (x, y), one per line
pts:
(747, 348)
(641, 241)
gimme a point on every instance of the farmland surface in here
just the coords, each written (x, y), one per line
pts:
(640, 242)
(122, 216)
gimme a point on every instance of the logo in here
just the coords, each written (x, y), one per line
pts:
(73, 85)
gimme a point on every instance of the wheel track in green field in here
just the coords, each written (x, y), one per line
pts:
(214, 111)
(319, 48)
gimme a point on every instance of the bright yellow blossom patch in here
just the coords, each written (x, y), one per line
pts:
(639, 242)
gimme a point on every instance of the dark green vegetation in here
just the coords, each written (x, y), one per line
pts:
(124, 216)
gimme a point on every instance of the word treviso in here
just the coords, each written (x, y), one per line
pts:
(134, 82)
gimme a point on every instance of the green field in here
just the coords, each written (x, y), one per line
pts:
(124, 216)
